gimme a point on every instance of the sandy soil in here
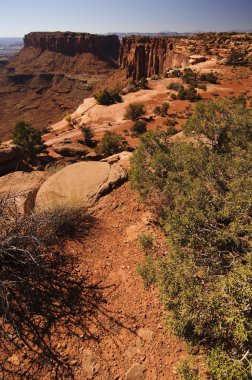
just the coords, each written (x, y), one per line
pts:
(126, 325)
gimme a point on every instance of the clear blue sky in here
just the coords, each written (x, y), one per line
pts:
(19, 17)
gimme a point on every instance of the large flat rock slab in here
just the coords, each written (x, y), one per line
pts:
(80, 184)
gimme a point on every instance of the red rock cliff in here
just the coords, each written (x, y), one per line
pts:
(147, 56)
(70, 43)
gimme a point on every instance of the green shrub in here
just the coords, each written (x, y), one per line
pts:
(106, 98)
(210, 78)
(143, 83)
(103, 97)
(174, 97)
(202, 192)
(188, 94)
(139, 127)
(111, 143)
(88, 133)
(28, 139)
(147, 270)
(175, 86)
(164, 108)
(161, 110)
(170, 122)
(187, 371)
(146, 242)
(225, 367)
(190, 76)
(157, 110)
(134, 111)
(69, 120)
(116, 96)
(175, 74)
(171, 130)
(236, 58)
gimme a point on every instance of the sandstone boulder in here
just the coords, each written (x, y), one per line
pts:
(79, 184)
(122, 158)
(21, 189)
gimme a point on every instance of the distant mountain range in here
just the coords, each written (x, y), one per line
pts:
(159, 34)
(173, 34)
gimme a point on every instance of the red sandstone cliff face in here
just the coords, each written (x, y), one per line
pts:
(52, 75)
(75, 43)
(147, 56)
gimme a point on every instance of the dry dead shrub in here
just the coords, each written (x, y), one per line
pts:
(40, 288)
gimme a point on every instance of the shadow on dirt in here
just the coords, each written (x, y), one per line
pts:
(49, 302)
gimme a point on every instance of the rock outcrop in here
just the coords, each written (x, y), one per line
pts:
(21, 188)
(71, 149)
(11, 159)
(79, 184)
(147, 56)
(70, 43)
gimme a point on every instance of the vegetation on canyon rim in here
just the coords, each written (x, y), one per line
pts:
(28, 139)
(202, 191)
(111, 143)
(106, 98)
(134, 111)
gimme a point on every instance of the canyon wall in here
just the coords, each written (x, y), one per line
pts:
(52, 75)
(147, 56)
(75, 43)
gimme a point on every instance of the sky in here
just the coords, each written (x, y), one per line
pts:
(19, 17)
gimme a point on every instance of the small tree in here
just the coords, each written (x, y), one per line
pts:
(236, 58)
(188, 94)
(87, 132)
(139, 127)
(106, 98)
(134, 111)
(175, 86)
(143, 83)
(210, 78)
(164, 108)
(111, 143)
(161, 110)
(69, 120)
(28, 139)
(157, 110)
(190, 76)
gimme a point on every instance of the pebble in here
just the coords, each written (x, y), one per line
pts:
(73, 362)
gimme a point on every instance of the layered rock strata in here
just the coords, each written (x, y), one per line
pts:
(75, 43)
(146, 56)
